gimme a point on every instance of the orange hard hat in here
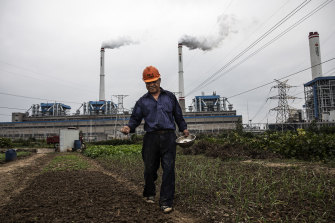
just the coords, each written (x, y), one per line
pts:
(150, 74)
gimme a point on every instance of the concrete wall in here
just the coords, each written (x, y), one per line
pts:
(107, 127)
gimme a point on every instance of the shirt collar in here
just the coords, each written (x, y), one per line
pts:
(148, 94)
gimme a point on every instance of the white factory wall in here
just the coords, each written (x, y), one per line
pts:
(104, 129)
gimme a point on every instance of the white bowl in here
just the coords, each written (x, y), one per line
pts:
(186, 141)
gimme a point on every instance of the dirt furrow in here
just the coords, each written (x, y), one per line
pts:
(15, 176)
(175, 215)
(91, 195)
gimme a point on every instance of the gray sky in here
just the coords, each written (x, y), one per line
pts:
(51, 49)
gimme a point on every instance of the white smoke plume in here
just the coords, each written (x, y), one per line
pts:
(117, 43)
(225, 23)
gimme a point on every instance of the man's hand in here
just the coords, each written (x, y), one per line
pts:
(125, 130)
(186, 133)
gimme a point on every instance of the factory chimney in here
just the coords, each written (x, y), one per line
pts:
(314, 49)
(102, 75)
(181, 77)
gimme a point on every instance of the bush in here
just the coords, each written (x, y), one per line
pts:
(134, 139)
(6, 143)
(113, 142)
(327, 129)
(31, 142)
(305, 145)
(300, 144)
(105, 151)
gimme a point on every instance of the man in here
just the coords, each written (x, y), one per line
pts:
(160, 110)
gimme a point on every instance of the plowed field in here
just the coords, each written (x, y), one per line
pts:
(29, 194)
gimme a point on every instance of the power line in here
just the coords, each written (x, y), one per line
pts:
(271, 41)
(268, 43)
(62, 82)
(299, 93)
(266, 116)
(262, 106)
(34, 72)
(43, 99)
(5, 115)
(252, 44)
(10, 72)
(13, 108)
(283, 109)
(249, 35)
(295, 73)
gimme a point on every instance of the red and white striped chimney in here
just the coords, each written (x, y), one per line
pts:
(181, 77)
(102, 75)
(314, 50)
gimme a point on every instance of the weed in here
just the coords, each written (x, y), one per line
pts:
(66, 162)
(234, 191)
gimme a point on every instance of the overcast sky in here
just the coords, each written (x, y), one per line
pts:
(51, 50)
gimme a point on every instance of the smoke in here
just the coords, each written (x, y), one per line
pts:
(225, 24)
(117, 43)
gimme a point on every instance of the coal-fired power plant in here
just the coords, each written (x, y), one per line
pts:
(181, 77)
(314, 49)
(102, 75)
(320, 91)
(101, 119)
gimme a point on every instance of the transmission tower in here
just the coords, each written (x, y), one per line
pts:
(283, 109)
(120, 108)
(119, 113)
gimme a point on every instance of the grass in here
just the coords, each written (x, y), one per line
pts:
(66, 162)
(233, 191)
(251, 192)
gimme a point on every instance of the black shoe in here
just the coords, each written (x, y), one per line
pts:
(150, 199)
(166, 209)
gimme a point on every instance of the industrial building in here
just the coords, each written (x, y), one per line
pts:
(103, 127)
(319, 95)
(205, 103)
(320, 99)
(102, 120)
(320, 91)
(47, 109)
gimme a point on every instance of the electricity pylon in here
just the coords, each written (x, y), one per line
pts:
(283, 109)
(120, 108)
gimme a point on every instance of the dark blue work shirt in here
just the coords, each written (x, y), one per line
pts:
(158, 115)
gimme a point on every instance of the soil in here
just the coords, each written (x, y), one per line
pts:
(96, 194)
(93, 195)
(315, 167)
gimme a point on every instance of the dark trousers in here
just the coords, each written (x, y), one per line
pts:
(159, 149)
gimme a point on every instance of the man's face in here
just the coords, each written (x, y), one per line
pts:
(154, 86)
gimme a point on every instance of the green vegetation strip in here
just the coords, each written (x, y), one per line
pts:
(252, 192)
(109, 150)
(236, 191)
(300, 144)
(65, 162)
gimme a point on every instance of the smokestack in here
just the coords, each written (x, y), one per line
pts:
(314, 50)
(102, 75)
(181, 77)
